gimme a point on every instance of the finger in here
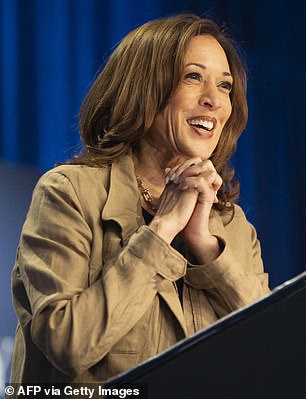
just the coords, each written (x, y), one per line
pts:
(180, 168)
(195, 182)
(201, 168)
(207, 186)
(170, 174)
(202, 172)
(166, 177)
(215, 180)
(202, 183)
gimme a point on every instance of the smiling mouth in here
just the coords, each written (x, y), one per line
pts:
(204, 125)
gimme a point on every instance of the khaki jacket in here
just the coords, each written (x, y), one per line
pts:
(94, 288)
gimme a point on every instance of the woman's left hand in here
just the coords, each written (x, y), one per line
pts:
(199, 175)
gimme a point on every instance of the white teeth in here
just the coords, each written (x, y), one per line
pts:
(208, 125)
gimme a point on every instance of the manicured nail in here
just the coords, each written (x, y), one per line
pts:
(172, 177)
(166, 179)
(183, 186)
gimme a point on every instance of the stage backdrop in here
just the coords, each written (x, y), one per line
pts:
(51, 50)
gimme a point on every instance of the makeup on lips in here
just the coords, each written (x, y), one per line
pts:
(204, 125)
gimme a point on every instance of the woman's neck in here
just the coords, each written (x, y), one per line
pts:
(150, 163)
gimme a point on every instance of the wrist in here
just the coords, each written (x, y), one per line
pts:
(206, 249)
(162, 229)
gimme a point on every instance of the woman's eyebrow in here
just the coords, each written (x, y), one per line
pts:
(204, 67)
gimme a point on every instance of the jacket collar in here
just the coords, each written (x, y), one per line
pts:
(123, 202)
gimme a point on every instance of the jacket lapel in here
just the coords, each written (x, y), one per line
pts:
(169, 294)
(123, 203)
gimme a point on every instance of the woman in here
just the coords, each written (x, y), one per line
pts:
(97, 286)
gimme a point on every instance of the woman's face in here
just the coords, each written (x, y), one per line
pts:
(191, 123)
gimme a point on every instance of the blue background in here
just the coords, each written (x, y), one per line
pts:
(50, 51)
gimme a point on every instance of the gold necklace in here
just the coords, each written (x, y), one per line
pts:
(146, 195)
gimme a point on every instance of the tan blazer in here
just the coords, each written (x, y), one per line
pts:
(94, 288)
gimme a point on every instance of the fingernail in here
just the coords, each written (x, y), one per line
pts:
(176, 180)
(173, 176)
(183, 186)
(166, 179)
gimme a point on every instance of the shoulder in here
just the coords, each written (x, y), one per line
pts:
(74, 183)
(239, 213)
(234, 220)
(77, 175)
(80, 177)
(232, 214)
(239, 226)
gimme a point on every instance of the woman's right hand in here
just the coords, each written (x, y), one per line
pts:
(174, 211)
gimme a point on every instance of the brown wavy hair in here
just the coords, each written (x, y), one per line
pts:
(135, 85)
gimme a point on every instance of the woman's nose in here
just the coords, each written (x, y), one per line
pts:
(210, 96)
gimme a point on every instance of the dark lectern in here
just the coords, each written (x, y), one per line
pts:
(258, 352)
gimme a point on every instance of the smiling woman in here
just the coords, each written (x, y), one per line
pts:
(192, 121)
(136, 243)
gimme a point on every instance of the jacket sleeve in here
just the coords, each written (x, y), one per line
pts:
(74, 323)
(236, 278)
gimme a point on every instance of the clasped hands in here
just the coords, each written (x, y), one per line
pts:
(190, 190)
(198, 175)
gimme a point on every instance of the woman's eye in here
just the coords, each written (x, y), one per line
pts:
(193, 75)
(226, 85)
